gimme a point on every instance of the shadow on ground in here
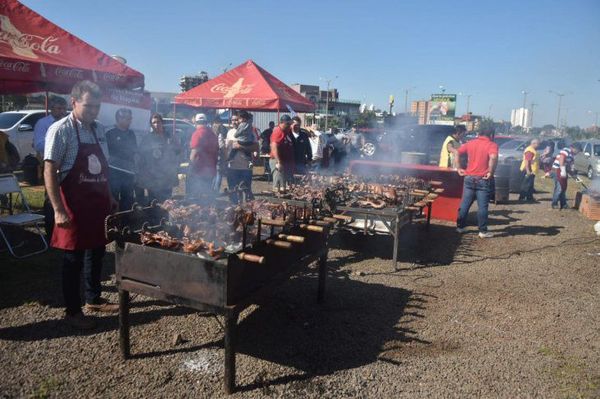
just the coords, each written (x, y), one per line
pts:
(37, 279)
(417, 245)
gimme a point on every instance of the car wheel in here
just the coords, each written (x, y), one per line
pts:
(369, 149)
(590, 173)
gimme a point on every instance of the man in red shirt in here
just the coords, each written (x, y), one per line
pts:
(203, 158)
(282, 153)
(482, 154)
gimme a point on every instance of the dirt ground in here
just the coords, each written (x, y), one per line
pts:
(514, 316)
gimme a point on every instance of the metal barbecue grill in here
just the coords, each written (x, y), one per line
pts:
(387, 221)
(226, 285)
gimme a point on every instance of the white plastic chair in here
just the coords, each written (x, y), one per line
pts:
(9, 186)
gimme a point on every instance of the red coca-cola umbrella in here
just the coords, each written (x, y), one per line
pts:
(37, 55)
(247, 86)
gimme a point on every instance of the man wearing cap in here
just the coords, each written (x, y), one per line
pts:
(76, 177)
(122, 147)
(204, 146)
(561, 168)
(282, 153)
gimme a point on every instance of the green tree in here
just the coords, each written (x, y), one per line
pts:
(366, 119)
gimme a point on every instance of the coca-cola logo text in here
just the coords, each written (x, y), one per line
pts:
(26, 44)
(231, 91)
(15, 66)
(111, 77)
(70, 73)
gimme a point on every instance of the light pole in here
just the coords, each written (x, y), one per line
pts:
(560, 96)
(595, 119)
(490, 111)
(468, 101)
(327, 101)
(406, 91)
(523, 120)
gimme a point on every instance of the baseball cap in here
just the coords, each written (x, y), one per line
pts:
(285, 118)
(200, 118)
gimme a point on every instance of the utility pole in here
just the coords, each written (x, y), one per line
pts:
(532, 105)
(406, 91)
(523, 119)
(490, 111)
(468, 103)
(327, 102)
(595, 119)
(560, 96)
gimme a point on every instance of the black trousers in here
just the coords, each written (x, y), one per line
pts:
(48, 216)
(527, 187)
(121, 186)
(90, 260)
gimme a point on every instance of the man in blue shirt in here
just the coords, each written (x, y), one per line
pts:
(58, 110)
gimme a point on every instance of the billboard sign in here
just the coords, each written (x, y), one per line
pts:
(442, 109)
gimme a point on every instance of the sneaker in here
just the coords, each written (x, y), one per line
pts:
(461, 230)
(103, 306)
(485, 234)
(80, 322)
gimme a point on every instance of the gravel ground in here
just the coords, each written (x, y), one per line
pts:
(513, 316)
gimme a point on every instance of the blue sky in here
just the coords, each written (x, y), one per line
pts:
(490, 49)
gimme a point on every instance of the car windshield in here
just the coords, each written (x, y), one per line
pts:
(8, 119)
(597, 150)
(511, 145)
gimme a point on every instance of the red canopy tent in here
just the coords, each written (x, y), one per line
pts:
(36, 55)
(247, 86)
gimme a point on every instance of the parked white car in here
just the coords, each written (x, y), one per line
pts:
(19, 127)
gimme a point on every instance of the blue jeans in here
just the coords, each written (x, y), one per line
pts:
(478, 188)
(560, 191)
(234, 178)
(90, 260)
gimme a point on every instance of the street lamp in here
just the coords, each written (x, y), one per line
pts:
(560, 96)
(327, 100)
(533, 105)
(468, 101)
(406, 91)
(443, 89)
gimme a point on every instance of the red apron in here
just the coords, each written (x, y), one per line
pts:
(86, 196)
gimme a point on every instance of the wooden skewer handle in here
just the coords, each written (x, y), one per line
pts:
(290, 238)
(416, 190)
(432, 196)
(435, 183)
(344, 218)
(279, 244)
(330, 220)
(252, 258)
(311, 227)
(438, 190)
(321, 223)
(273, 222)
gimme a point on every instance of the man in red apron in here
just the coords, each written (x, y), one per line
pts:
(76, 176)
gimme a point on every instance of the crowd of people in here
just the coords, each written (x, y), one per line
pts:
(90, 173)
(477, 160)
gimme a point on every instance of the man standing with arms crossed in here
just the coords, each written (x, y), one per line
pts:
(76, 177)
(482, 154)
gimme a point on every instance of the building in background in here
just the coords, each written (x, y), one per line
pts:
(521, 117)
(420, 109)
(349, 109)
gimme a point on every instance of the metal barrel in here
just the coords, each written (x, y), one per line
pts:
(502, 179)
(516, 177)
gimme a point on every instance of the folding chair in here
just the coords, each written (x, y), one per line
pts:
(9, 186)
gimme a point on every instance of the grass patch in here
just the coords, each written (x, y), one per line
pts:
(574, 378)
(45, 388)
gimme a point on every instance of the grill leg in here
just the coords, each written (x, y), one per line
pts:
(322, 278)
(396, 240)
(230, 337)
(428, 215)
(124, 323)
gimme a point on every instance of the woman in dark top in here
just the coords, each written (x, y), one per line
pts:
(159, 161)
